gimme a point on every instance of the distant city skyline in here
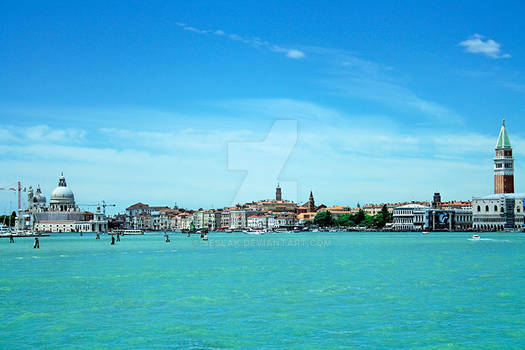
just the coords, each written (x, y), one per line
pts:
(164, 104)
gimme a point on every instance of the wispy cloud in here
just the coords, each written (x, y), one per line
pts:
(490, 48)
(254, 42)
(517, 87)
(42, 134)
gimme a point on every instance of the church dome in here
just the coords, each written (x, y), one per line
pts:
(39, 197)
(62, 194)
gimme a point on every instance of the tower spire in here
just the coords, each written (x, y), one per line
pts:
(503, 163)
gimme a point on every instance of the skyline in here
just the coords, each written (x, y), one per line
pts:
(364, 110)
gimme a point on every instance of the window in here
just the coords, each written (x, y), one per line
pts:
(496, 208)
(479, 208)
(486, 208)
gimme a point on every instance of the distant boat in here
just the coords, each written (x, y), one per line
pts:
(126, 232)
(476, 237)
(252, 231)
(425, 232)
(5, 231)
(205, 238)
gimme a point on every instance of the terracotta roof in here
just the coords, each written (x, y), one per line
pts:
(138, 206)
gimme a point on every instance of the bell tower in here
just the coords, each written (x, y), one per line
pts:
(503, 164)
(278, 193)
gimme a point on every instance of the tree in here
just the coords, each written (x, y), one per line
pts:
(386, 214)
(368, 221)
(345, 220)
(323, 218)
(359, 217)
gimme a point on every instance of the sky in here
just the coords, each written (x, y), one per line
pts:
(206, 104)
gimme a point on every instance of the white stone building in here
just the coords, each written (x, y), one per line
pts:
(258, 221)
(498, 212)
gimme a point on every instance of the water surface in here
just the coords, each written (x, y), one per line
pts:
(279, 291)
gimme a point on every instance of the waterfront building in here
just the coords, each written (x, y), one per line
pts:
(304, 217)
(465, 205)
(63, 215)
(225, 218)
(238, 219)
(208, 219)
(374, 209)
(504, 209)
(184, 221)
(258, 221)
(443, 219)
(37, 201)
(503, 164)
(498, 212)
(405, 218)
(277, 206)
(419, 217)
(338, 210)
(160, 217)
(281, 220)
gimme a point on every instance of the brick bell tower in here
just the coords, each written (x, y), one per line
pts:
(503, 164)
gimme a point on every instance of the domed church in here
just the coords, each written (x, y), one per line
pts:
(63, 215)
(62, 198)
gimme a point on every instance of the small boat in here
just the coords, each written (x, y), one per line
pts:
(205, 238)
(126, 232)
(425, 232)
(475, 237)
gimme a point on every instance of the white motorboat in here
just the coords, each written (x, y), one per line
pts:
(476, 237)
(126, 232)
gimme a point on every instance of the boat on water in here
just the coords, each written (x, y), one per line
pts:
(205, 238)
(476, 237)
(425, 232)
(5, 230)
(126, 232)
(255, 231)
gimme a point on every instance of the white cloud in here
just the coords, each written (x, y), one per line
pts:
(254, 42)
(488, 47)
(42, 134)
(342, 157)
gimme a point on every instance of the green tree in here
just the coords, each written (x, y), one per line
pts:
(345, 220)
(368, 221)
(379, 220)
(386, 214)
(358, 217)
(323, 218)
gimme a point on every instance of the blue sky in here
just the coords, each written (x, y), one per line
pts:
(205, 104)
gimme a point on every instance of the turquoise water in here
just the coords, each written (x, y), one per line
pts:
(281, 291)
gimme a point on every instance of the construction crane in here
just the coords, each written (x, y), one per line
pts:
(104, 205)
(18, 189)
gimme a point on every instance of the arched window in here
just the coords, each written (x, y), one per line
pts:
(479, 208)
(495, 208)
(518, 209)
(486, 208)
